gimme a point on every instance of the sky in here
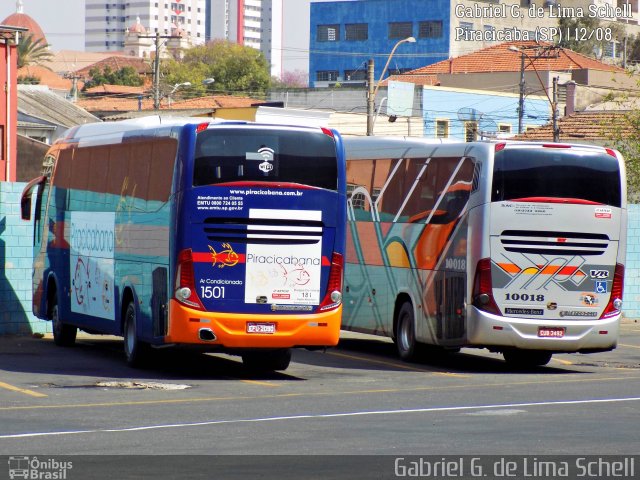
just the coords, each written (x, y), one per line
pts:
(61, 20)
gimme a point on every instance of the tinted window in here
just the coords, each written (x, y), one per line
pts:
(269, 155)
(556, 173)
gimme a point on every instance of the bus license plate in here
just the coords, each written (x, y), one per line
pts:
(254, 327)
(551, 332)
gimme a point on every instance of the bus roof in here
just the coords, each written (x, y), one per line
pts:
(119, 128)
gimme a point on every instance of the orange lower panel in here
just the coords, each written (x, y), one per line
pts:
(321, 329)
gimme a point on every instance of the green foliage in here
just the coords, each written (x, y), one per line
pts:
(125, 76)
(588, 35)
(28, 80)
(235, 68)
(629, 146)
(32, 52)
(633, 49)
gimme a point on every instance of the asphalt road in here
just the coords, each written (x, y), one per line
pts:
(356, 399)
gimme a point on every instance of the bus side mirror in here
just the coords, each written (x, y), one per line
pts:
(25, 200)
(25, 207)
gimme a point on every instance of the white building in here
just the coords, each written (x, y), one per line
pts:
(252, 23)
(106, 21)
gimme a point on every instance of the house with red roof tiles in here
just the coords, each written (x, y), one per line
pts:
(592, 127)
(503, 68)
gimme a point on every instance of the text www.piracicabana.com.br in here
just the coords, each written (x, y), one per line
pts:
(263, 191)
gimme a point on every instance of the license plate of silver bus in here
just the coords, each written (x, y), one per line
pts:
(261, 327)
(551, 332)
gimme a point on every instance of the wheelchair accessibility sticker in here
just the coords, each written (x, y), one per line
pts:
(601, 286)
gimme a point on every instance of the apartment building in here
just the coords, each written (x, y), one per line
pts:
(344, 35)
(252, 23)
(107, 21)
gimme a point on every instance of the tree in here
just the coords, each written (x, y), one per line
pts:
(235, 69)
(588, 35)
(629, 145)
(633, 49)
(32, 52)
(291, 79)
(125, 76)
(28, 80)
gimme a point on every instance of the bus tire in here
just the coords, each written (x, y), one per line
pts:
(135, 351)
(405, 335)
(268, 360)
(526, 358)
(64, 335)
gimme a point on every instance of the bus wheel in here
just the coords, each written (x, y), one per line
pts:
(268, 360)
(63, 335)
(135, 351)
(526, 358)
(405, 337)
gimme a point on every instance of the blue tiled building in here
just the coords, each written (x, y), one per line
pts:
(471, 114)
(346, 34)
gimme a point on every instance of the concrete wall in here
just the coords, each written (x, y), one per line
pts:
(631, 307)
(16, 260)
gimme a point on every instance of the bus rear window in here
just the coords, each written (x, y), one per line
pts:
(556, 173)
(268, 155)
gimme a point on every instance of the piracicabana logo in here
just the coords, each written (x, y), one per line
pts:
(37, 469)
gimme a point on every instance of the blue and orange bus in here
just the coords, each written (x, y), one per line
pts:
(225, 235)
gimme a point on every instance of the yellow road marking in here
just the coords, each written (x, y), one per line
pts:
(329, 393)
(21, 390)
(395, 364)
(262, 384)
(564, 362)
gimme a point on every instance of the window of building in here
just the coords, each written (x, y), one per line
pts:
(609, 49)
(358, 74)
(356, 31)
(400, 30)
(466, 25)
(442, 128)
(328, 33)
(327, 76)
(470, 131)
(504, 128)
(430, 29)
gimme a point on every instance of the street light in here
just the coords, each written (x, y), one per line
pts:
(373, 91)
(553, 103)
(176, 87)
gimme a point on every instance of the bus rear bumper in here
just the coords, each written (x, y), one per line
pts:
(186, 326)
(496, 332)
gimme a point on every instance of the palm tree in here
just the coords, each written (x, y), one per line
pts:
(32, 51)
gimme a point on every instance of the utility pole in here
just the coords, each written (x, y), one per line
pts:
(370, 96)
(156, 67)
(554, 106)
(521, 100)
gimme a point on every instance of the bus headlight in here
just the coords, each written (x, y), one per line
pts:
(617, 303)
(336, 296)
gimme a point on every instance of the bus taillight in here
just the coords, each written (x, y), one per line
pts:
(482, 290)
(185, 291)
(333, 298)
(615, 301)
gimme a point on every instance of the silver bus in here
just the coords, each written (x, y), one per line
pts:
(515, 247)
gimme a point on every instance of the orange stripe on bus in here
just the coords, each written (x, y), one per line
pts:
(542, 270)
(509, 267)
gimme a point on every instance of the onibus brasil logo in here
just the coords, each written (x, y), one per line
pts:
(34, 468)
